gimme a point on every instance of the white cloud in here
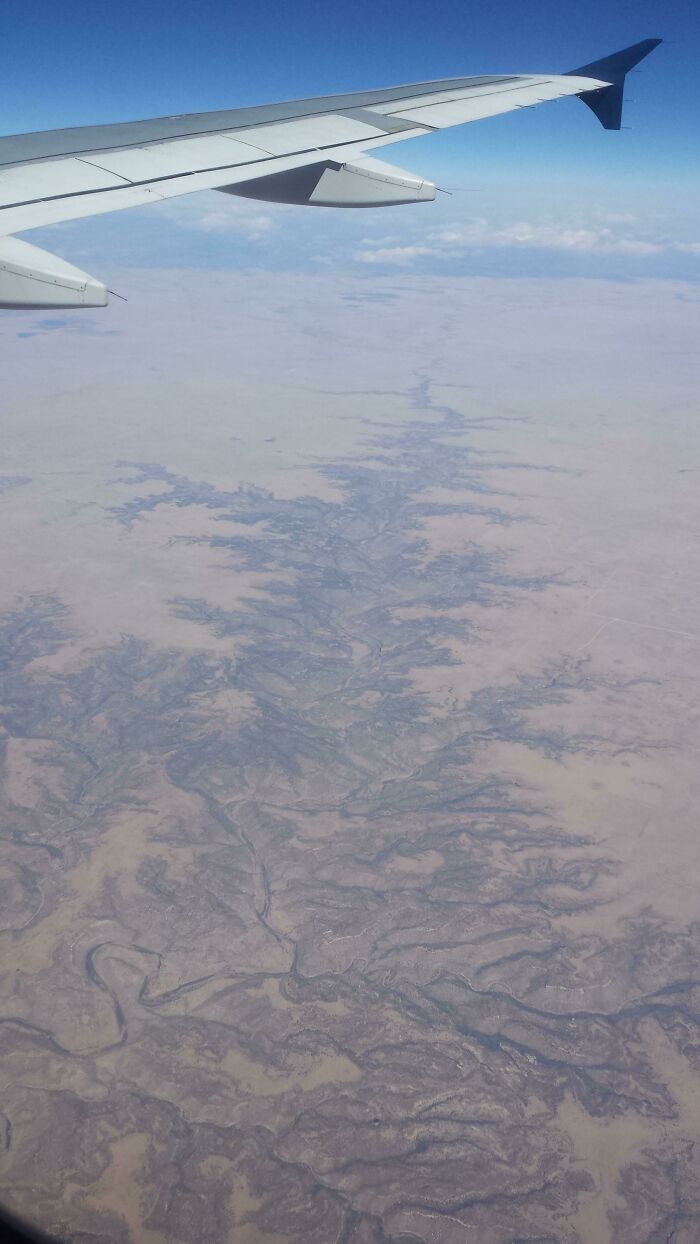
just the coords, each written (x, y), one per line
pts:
(541, 237)
(253, 226)
(391, 239)
(394, 254)
(231, 215)
(456, 239)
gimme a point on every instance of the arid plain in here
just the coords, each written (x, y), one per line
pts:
(350, 728)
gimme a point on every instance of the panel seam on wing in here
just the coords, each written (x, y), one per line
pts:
(147, 183)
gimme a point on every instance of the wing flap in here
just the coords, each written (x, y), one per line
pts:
(55, 211)
(223, 151)
(477, 105)
(48, 210)
(169, 159)
(309, 134)
(27, 182)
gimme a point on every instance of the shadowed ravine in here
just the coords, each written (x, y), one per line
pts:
(293, 951)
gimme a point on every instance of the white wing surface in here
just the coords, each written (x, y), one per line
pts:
(308, 151)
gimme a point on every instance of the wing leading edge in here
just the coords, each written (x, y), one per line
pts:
(311, 151)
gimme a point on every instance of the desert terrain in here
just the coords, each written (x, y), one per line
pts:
(349, 721)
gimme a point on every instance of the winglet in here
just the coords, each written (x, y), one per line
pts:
(606, 101)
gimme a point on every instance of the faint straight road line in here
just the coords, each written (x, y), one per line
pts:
(595, 635)
(649, 626)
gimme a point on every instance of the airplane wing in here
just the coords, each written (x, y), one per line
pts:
(313, 151)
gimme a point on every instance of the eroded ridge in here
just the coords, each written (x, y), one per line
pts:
(288, 955)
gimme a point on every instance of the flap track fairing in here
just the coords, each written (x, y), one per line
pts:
(364, 183)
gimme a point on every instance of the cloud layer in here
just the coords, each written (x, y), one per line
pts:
(460, 238)
(313, 237)
(586, 231)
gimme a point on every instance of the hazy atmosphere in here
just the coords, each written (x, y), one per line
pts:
(349, 632)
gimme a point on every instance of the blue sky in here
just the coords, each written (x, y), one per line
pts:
(546, 190)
